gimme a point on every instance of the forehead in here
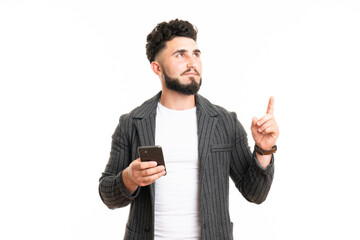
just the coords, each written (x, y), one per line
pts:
(181, 43)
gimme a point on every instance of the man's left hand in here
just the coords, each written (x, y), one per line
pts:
(265, 130)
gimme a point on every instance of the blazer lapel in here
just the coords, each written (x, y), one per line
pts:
(144, 121)
(146, 130)
(207, 120)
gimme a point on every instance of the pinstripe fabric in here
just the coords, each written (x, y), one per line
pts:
(223, 152)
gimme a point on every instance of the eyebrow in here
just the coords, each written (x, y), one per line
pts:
(184, 51)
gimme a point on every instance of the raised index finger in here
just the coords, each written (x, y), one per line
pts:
(270, 108)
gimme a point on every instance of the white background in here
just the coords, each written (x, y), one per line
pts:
(70, 68)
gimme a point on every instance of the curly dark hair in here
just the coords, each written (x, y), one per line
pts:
(166, 31)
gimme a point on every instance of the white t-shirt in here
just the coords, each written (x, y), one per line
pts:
(177, 193)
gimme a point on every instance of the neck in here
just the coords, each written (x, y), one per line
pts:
(176, 101)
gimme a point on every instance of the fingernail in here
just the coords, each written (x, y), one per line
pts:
(258, 123)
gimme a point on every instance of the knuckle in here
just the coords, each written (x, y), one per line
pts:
(140, 166)
(135, 174)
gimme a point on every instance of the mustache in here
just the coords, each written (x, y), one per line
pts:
(191, 69)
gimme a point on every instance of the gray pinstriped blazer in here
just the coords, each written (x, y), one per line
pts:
(223, 152)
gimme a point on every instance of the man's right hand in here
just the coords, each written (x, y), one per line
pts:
(141, 174)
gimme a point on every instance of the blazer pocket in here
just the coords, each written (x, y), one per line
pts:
(221, 147)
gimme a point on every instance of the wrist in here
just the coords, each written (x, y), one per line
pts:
(263, 160)
(262, 151)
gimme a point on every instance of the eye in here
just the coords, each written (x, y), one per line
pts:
(196, 54)
(179, 55)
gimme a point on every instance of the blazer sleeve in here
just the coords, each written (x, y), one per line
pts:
(111, 187)
(252, 180)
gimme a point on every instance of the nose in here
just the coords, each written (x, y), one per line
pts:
(192, 63)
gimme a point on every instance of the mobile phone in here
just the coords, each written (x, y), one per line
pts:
(151, 153)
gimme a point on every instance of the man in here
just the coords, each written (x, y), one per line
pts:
(203, 145)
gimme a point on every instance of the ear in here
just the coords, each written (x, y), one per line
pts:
(155, 66)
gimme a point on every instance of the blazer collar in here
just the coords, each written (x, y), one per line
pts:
(149, 107)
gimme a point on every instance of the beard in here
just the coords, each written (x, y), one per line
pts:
(187, 89)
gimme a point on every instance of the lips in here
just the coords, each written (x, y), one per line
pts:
(191, 74)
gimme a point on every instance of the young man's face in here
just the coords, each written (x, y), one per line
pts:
(181, 65)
